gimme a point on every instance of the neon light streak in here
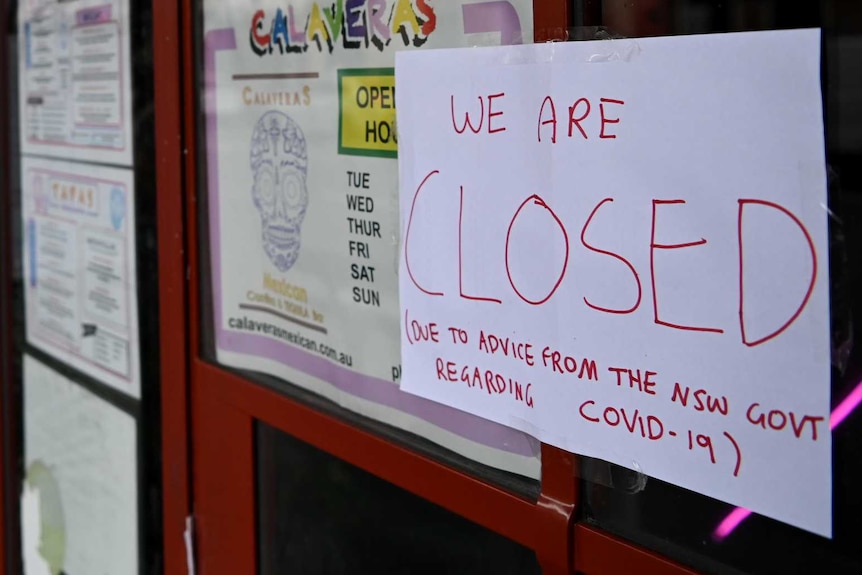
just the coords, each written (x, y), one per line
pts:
(839, 414)
(846, 407)
(731, 522)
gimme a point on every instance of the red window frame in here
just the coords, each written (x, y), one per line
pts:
(208, 413)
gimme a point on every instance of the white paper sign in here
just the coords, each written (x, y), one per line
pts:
(621, 248)
(78, 224)
(79, 510)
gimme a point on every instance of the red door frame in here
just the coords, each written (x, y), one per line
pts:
(211, 469)
(173, 55)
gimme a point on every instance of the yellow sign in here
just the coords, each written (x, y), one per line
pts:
(366, 123)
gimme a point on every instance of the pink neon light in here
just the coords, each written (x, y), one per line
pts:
(839, 414)
(846, 407)
(731, 522)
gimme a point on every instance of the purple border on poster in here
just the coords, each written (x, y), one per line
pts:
(495, 16)
(380, 391)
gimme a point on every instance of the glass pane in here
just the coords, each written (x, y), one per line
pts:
(79, 510)
(299, 208)
(78, 185)
(694, 529)
(81, 408)
(318, 514)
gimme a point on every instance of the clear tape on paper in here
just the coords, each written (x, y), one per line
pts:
(189, 538)
(602, 473)
(618, 48)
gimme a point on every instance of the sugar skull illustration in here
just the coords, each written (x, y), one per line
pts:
(279, 164)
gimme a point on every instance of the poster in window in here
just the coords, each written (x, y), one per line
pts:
(301, 169)
(78, 224)
(75, 79)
